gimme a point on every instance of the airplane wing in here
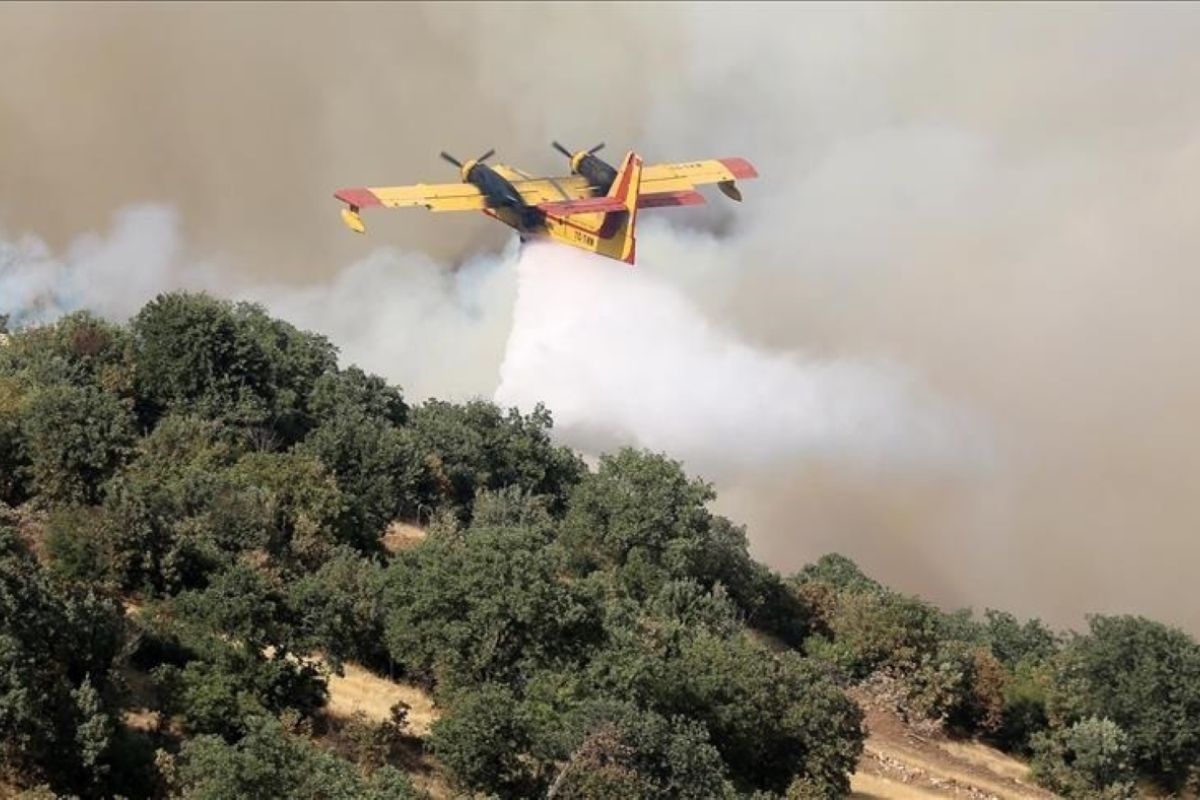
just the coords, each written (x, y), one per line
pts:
(465, 196)
(536, 191)
(676, 177)
(434, 196)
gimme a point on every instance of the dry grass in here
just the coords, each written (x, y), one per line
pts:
(868, 786)
(361, 691)
(988, 758)
(401, 536)
(900, 764)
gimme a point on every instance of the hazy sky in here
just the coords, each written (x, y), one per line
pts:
(975, 224)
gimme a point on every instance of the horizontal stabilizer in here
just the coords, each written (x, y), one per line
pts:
(588, 205)
(664, 199)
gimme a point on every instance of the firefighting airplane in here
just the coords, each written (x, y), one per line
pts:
(594, 208)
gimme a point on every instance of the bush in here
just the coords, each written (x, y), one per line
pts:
(482, 741)
(229, 362)
(774, 718)
(223, 692)
(1090, 759)
(270, 764)
(475, 446)
(76, 438)
(1145, 677)
(57, 696)
(484, 605)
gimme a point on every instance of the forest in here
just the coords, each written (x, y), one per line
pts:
(193, 517)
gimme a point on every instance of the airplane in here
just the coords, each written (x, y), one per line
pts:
(594, 208)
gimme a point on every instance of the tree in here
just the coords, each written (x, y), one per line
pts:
(13, 461)
(243, 605)
(465, 448)
(340, 609)
(482, 741)
(620, 751)
(1015, 643)
(229, 362)
(57, 648)
(773, 717)
(301, 505)
(1090, 759)
(870, 631)
(838, 572)
(79, 349)
(1145, 677)
(269, 763)
(236, 640)
(484, 605)
(76, 439)
(641, 519)
(352, 391)
(376, 468)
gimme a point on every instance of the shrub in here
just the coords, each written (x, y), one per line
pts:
(1090, 759)
(1145, 677)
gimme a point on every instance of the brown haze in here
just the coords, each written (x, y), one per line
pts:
(1001, 198)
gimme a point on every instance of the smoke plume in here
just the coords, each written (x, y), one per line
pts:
(949, 333)
(622, 357)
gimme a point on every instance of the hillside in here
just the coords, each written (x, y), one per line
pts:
(231, 567)
(897, 763)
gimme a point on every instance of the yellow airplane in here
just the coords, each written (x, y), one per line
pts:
(594, 208)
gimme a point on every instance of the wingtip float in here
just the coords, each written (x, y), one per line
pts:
(353, 220)
(594, 208)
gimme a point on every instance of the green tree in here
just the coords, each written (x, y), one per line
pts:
(482, 741)
(641, 519)
(57, 648)
(340, 609)
(1089, 759)
(773, 717)
(300, 501)
(229, 362)
(269, 763)
(352, 391)
(620, 751)
(483, 605)
(14, 462)
(474, 446)
(244, 605)
(1145, 677)
(79, 349)
(1015, 643)
(76, 439)
(376, 467)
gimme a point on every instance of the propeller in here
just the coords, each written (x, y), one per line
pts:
(569, 154)
(446, 156)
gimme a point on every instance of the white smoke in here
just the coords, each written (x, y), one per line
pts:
(438, 332)
(111, 275)
(622, 357)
